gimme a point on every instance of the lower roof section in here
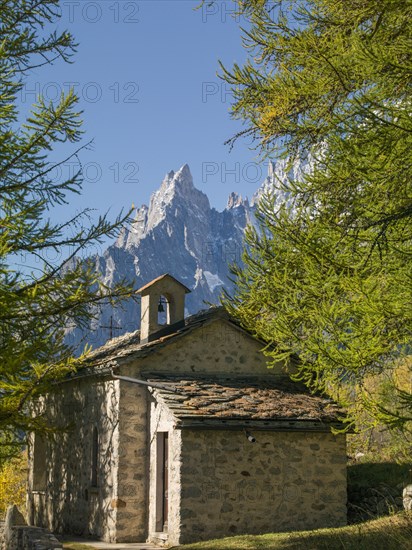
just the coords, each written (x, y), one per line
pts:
(264, 402)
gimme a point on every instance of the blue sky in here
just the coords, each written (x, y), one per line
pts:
(145, 72)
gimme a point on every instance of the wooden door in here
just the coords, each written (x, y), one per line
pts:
(162, 481)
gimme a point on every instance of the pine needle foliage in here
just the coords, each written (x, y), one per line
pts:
(329, 281)
(36, 304)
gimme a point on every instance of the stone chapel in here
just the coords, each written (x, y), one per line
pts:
(179, 432)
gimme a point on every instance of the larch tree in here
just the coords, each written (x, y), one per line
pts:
(328, 279)
(37, 303)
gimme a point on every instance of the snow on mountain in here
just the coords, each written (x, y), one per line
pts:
(181, 234)
(213, 280)
(279, 174)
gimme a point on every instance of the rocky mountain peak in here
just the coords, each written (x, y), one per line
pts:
(236, 200)
(177, 186)
(181, 180)
(277, 181)
(184, 174)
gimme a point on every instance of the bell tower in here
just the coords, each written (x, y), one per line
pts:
(163, 293)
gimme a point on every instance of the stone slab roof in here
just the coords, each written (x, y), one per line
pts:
(265, 399)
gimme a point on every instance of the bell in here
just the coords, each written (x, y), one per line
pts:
(160, 307)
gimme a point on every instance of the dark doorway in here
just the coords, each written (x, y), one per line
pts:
(162, 481)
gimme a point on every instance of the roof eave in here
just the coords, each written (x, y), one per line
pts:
(281, 425)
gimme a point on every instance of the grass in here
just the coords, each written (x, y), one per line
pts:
(386, 533)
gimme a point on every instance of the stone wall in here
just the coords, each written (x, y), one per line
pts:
(216, 348)
(30, 538)
(284, 481)
(15, 534)
(133, 467)
(68, 502)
